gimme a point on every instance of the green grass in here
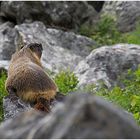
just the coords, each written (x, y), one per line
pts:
(106, 33)
(134, 36)
(126, 96)
(66, 81)
(3, 93)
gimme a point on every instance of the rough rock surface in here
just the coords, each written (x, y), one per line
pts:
(127, 13)
(69, 15)
(106, 63)
(81, 116)
(62, 50)
(20, 11)
(97, 5)
(7, 44)
(13, 106)
(4, 64)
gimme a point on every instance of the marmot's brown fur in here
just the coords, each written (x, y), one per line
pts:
(26, 77)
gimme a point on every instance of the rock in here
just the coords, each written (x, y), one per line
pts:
(7, 37)
(107, 63)
(62, 50)
(97, 5)
(4, 64)
(126, 13)
(13, 106)
(69, 15)
(23, 11)
(81, 116)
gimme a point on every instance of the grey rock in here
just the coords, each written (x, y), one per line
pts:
(20, 11)
(4, 64)
(97, 5)
(81, 116)
(69, 15)
(107, 63)
(62, 50)
(7, 37)
(13, 106)
(126, 13)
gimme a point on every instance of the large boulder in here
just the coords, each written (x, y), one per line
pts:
(20, 11)
(107, 63)
(7, 37)
(69, 15)
(80, 116)
(62, 50)
(126, 13)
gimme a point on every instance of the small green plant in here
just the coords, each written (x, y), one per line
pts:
(105, 32)
(86, 30)
(127, 97)
(3, 93)
(134, 36)
(66, 81)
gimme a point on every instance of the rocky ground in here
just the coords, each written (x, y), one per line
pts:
(80, 116)
(56, 25)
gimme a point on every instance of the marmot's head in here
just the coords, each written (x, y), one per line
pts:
(36, 48)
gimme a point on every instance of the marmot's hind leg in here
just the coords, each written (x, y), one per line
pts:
(42, 104)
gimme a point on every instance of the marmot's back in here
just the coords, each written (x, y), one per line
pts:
(30, 77)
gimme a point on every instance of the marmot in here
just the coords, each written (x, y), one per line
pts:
(26, 77)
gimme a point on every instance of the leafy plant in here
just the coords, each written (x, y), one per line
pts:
(66, 81)
(86, 30)
(105, 32)
(3, 93)
(127, 97)
(134, 36)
